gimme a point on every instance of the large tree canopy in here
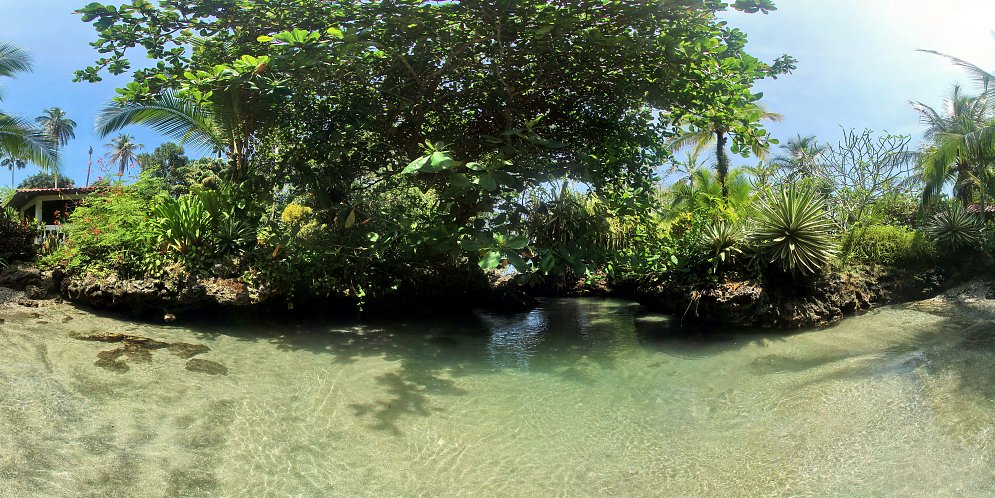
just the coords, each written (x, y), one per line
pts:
(475, 100)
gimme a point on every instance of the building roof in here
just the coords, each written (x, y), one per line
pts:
(23, 196)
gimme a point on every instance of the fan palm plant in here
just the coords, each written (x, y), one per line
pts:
(701, 191)
(59, 130)
(17, 137)
(11, 162)
(958, 150)
(123, 152)
(800, 157)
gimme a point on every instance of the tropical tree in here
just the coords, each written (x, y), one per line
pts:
(17, 136)
(799, 157)
(960, 147)
(59, 130)
(714, 132)
(43, 180)
(123, 152)
(11, 162)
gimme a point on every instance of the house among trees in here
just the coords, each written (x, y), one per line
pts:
(47, 206)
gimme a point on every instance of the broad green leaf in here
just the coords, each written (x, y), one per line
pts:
(487, 182)
(520, 264)
(470, 245)
(517, 242)
(459, 180)
(440, 161)
(351, 219)
(416, 165)
(490, 260)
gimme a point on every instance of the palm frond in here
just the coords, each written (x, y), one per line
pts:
(188, 122)
(979, 75)
(21, 140)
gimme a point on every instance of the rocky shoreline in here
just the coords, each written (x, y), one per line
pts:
(733, 302)
(786, 304)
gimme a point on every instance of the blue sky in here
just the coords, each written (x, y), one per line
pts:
(59, 43)
(858, 66)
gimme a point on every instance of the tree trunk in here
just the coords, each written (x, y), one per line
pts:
(722, 160)
(982, 188)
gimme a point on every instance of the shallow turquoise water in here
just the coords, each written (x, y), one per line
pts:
(579, 398)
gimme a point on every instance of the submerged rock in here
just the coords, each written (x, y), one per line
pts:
(135, 348)
(110, 360)
(206, 367)
(185, 351)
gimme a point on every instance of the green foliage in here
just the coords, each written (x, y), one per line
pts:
(19, 139)
(183, 226)
(720, 243)
(793, 231)
(16, 237)
(45, 180)
(886, 245)
(701, 191)
(328, 117)
(567, 230)
(954, 228)
(109, 232)
(295, 213)
(167, 161)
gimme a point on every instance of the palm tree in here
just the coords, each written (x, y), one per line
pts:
(59, 130)
(716, 134)
(226, 124)
(701, 190)
(12, 162)
(956, 153)
(123, 152)
(800, 157)
(17, 137)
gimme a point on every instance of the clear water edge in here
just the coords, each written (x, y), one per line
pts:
(579, 398)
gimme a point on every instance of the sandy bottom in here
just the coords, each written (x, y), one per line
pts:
(579, 398)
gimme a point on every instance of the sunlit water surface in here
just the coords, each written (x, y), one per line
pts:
(578, 398)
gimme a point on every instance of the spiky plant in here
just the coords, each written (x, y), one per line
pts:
(954, 228)
(720, 242)
(793, 231)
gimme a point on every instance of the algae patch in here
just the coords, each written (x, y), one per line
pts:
(137, 349)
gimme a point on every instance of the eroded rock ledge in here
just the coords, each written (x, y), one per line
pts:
(785, 304)
(140, 296)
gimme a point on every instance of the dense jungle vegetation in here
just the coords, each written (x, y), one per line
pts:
(366, 150)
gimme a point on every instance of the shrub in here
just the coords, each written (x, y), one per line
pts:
(295, 213)
(886, 245)
(720, 243)
(183, 226)
(954, 228)
(793, 231)
(109, 231)
(16, 237)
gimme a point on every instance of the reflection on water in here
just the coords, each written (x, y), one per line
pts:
(578, 398)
